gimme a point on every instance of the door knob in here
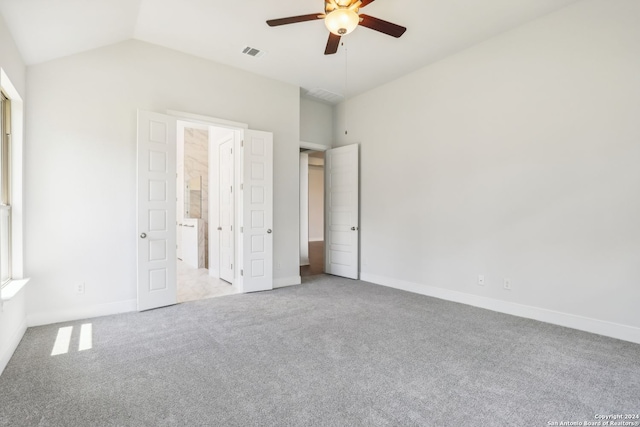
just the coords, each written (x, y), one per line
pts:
(269, 231)
(219, 228)
(354, 228)
(143, 235)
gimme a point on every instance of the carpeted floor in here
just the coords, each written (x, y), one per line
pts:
(330, 352)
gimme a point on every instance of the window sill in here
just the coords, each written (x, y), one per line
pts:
(12, 288)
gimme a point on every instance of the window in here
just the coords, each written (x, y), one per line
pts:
(5, 192)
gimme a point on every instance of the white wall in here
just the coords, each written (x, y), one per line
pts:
(81, 226)
(10, 59)
(12, 312)
(517, 158)
(316, 122)
(316, 203)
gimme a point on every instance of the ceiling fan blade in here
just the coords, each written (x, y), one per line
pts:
(332, 44)
(294, 19)
(366, 2)
(382, 26)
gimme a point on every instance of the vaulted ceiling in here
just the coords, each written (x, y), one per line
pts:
(219, 30)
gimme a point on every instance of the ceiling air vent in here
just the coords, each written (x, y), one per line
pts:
(252, 51)
(325, 95)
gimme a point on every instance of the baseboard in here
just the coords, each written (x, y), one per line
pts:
(11, 346)
(319, 239)
(88, 312)
(587, 324)
(286, 281)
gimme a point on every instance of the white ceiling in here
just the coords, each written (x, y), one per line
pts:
(219, 30)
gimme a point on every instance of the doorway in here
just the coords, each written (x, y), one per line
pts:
(339, 252)
(252, 191)
(312, 245)
(195, 203)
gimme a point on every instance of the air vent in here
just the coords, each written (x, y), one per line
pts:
(252, 51)
(325, 95)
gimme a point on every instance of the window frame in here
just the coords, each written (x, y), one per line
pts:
(5, 188)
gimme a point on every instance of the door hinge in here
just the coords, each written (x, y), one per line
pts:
(232, 228)
(232, 266)
(232, 188)
(242, 143)
(241, 186)
(242, 229)
(232, 151)
(242, 272)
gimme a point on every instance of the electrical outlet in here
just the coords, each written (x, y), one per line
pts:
(79, 288)
(481, 280)
(507, 284)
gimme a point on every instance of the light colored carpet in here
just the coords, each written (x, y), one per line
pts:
(330, 352)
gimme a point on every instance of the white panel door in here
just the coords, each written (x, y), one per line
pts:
(257, 211)
(226, 204)
(156, 210)
(342, 211)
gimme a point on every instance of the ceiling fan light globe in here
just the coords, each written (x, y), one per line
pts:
(342, 21)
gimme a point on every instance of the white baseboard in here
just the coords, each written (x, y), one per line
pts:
(286, 281)
(11, 345)
(316, 239)
(69, 315)
(587, 324)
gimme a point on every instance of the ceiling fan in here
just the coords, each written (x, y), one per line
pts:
(342, 17)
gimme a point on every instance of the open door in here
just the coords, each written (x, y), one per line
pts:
(342, 211)
(257, 211)
(226, 207)
(156, 194)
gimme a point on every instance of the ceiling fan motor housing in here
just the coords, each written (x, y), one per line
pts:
(342, 21)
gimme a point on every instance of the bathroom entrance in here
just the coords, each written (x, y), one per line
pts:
(204, 215)
(166, 217)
